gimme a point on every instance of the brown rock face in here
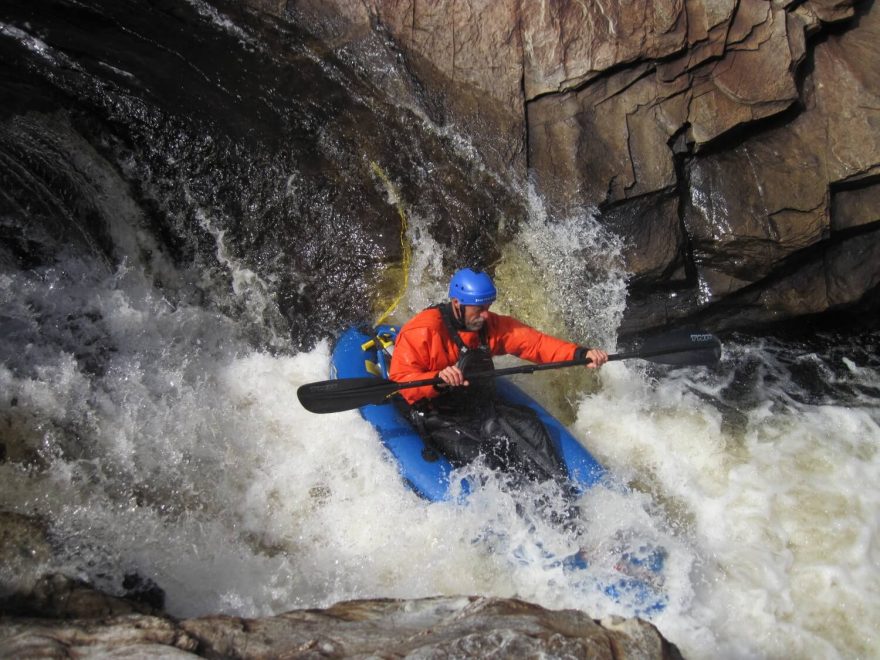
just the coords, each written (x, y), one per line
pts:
(436, 627)
(567, 44)
(732, 144)
(431, 627)
(747, 211)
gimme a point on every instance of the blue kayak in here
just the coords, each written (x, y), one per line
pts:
(358, 355)
(361, 354)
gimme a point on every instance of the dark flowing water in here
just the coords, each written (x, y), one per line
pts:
(194, 200)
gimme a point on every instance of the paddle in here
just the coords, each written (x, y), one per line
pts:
(681, 347)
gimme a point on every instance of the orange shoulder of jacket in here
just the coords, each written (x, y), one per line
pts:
(427, 318)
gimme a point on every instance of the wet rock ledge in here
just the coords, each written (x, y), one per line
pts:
(65, 618)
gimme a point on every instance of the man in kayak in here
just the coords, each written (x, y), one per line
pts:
(463, 419)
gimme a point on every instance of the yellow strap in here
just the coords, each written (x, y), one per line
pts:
(384, 340)
(406, 250)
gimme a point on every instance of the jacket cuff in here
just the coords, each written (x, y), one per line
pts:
(580, 352)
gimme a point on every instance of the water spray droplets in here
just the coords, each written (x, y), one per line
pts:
(580, 268)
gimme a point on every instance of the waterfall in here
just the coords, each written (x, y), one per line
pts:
(188, 217)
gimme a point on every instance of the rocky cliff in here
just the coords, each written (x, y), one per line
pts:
(732, 144)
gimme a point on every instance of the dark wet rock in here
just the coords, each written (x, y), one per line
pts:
(249, 152)
(829, 279)
(132, 635)
(761, 118)
(443, 627)
(655, 238)
(766, 111)
(434, 627)
(855, 207)
(25, 549)
(56, 596)
(747, 212)
(28, 588)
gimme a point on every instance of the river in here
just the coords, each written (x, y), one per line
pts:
(155, 328)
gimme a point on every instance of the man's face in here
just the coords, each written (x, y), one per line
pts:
(472, 316)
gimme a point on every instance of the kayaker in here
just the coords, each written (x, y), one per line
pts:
(463, 419)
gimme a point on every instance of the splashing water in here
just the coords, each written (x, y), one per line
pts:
(767, 473)
(154, 425)
(156, 440)
(565, 275)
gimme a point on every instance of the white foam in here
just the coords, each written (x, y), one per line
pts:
(39, 47)
(222, 21)
(571, 265)
(780, 513)
(185, 457)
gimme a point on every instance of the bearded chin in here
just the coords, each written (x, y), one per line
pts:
(473, 326)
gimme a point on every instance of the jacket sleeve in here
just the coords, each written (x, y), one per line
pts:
(412, 361)
(516, 338)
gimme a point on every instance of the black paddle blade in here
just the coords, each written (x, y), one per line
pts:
(328, 396)
(683, 347)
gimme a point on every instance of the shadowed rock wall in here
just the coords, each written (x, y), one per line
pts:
(733, 144)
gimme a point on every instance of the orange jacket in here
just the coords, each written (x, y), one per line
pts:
(424, 347)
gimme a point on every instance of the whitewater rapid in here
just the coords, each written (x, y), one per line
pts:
(148, 400)
(156, 440)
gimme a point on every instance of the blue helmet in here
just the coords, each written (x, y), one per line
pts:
(472, 287)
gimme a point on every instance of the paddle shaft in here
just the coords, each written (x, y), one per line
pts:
(679, 348)
(524, 369)
(530, 368)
